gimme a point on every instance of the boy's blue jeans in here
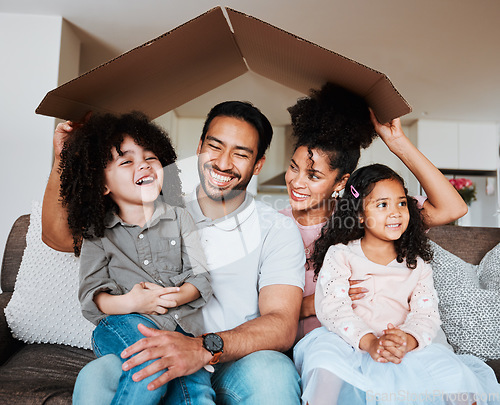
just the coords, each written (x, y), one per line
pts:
(112, 336)
(263, 377)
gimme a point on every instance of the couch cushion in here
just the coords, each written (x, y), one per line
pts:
(14, 248)
(495, 365)
(468, 243)
(42, 373)
(470, 312)
(44, 307)
(8, 345)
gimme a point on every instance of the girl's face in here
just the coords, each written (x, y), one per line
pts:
(385, 215)
(310, 183)
(135, 177)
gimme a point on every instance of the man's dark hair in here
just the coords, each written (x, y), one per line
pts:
(247, 112)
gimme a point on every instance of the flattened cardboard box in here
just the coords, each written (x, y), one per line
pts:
(206, 52)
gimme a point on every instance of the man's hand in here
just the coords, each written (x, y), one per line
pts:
(63, 130)
(178, 355)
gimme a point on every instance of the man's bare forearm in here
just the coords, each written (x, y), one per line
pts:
(55, 229)
(268, 332)
(275, 329)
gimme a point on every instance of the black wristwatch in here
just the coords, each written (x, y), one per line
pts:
(214, 344)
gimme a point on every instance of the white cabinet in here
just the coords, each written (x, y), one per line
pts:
(437, 140)
(477, 146)
(459, 145)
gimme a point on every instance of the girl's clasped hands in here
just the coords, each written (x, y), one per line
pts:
(392, 346)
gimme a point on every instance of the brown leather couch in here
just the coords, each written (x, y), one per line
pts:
(46, 373)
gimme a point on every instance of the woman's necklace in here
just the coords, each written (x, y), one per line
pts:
(308, 248)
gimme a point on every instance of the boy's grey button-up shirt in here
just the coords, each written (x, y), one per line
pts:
(166, 251)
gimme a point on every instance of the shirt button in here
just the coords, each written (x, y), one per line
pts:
(146, 262)
(176, 316)
(141, 236)
(172, 242)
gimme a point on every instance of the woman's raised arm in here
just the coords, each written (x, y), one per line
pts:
(443, 204)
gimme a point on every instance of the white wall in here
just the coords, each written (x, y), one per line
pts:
(30, 47)
(276, 161)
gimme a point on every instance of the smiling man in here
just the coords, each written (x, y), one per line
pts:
(228, 157)
(256, 261)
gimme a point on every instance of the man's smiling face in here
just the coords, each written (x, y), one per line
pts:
(226, 158)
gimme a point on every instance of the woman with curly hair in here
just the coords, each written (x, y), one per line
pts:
(377, 235)
(141, 260)
(331, 126)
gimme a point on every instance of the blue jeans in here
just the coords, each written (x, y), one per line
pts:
(111, 337)
(264, 377)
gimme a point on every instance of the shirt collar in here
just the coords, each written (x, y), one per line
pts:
(162, 211)
(228, 222)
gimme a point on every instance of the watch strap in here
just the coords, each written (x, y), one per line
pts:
(215, 358)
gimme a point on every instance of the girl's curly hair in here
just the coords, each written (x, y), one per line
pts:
(86, 154)
(345, 226)
(335, 121)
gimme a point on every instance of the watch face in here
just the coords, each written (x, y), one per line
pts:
(213, 342)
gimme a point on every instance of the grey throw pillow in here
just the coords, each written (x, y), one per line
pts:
(469, 302)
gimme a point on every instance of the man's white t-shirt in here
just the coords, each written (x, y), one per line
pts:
(253, 247)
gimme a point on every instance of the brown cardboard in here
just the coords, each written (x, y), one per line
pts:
(204, 53)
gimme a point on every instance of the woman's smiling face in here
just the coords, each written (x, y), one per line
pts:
(310, 181)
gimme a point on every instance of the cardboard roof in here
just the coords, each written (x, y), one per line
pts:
(206, 52)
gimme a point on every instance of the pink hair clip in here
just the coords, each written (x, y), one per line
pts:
(354, 192)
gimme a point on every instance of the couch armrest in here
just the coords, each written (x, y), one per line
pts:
(8, 344)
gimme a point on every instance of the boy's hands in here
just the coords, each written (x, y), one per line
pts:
(146, 298)
(149, 298)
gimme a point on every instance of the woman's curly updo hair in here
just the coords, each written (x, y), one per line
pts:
(335, 121)
(345, 226)
(85, 155)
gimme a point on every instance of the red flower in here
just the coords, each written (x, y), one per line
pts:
(465, 188)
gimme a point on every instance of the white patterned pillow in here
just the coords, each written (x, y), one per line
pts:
(469, 302)
(44, 307)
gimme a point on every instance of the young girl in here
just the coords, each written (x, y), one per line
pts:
(141, 260)
(331, 125)
(383, 346)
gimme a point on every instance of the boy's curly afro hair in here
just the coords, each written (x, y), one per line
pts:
(335, 121)
(86, 154)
